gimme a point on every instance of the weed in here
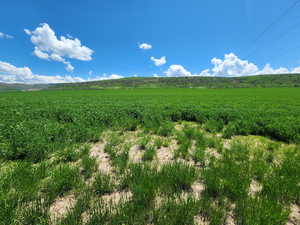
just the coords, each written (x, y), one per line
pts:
(177, 177)
(166, 129)
(199, 156)
(68, 155)
(260, 210)
(62, 179)
(144, 142)
(103, 184)
(174, 212)
(149, 153)
(88, 166)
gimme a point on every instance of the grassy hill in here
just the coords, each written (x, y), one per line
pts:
(22, 87)
(283, 80)
(286, 80)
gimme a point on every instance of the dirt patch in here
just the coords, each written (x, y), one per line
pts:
(102, 158)
(254, 188)
(117, 197)
(294, 218)
(200, 220)
(227, 144)
(230, 220)
(164, 155)
(61, 206)
(198, 188)
(230, 216)
(213, 152)
(135, 154)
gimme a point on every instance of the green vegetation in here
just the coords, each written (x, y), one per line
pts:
(103, 184)
(150, 156)
(284, 80)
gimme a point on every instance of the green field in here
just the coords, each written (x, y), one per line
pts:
(150, 156)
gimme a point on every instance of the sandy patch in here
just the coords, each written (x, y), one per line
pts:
(230, 220)
(254, 188)
(200, 220)
(230, 216)
(198, 188)
(213, 152)
(135, 154)
(164, 155)
(102, 158)
(61, 206)
(117, 197)
(294, 218)
(227, 144)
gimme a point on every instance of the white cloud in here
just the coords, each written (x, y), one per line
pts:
(156, 75)
(12, 74)
(269, 70)
(69, 67)
(49, 47)
(205, 73)
(145, 46)
(296, 70)
(177, 71)
(159, 62)
(230, 66)
(233, 66)
(106, 77)
(6, 36)
(40, 54)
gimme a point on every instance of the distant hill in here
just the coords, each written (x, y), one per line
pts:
(22, 87)
(284, 80)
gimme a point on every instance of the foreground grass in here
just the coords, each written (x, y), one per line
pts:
(150, 191)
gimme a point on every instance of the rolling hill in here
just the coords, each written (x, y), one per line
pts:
(282, 80)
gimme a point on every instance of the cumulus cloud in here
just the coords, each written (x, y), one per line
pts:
(230, 66)
(12, 74)
(6, 36)
(49, 47)
(282, 70)
(145, 46)
(159, 62)
(106, 77)
(69, 67)
(177, 71)
(296, 70)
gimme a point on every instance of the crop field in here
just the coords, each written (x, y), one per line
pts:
(150, 156)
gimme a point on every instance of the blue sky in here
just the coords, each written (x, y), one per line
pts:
(190, 34)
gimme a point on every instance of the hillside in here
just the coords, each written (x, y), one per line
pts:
(284, 80)
(290, 80)
(22, 87)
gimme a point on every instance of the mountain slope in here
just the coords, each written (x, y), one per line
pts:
(285, 80)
